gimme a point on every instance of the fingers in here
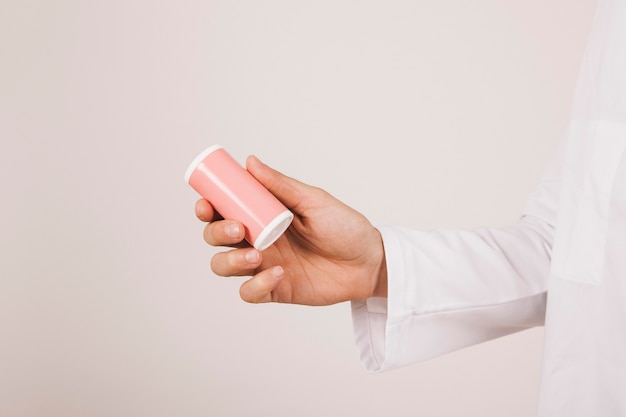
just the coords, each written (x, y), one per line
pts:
(260, 288)
(224, 233)
(241, 262)
(245, 261)
(237, 262)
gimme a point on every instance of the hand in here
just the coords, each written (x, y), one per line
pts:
(329, 254)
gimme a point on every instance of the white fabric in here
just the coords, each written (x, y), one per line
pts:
(562, 264)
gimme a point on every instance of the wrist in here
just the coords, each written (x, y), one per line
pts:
(380, 285)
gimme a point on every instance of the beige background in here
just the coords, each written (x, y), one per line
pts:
(421, 113)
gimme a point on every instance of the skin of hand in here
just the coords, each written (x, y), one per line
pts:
(330, 253)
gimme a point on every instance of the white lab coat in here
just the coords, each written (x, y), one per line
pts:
(562, 264)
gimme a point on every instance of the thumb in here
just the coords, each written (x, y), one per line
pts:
(292, 193)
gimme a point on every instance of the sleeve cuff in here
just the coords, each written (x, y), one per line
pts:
(373, 323)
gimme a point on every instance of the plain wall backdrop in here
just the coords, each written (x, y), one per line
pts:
(427, 114)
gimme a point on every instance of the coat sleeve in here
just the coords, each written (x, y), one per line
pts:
(448, 289)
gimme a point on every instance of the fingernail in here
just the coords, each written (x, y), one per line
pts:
(252, 256)
(232, 230)
(278, 272)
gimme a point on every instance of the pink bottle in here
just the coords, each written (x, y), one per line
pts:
(237, 195)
